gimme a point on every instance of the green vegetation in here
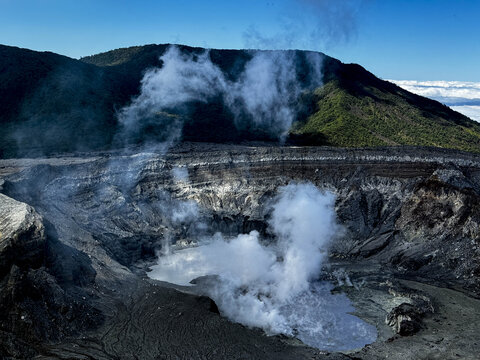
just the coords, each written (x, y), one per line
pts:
(114, 57)
(50, 103)
(383, 118)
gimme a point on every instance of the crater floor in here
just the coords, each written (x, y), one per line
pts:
(408, 257)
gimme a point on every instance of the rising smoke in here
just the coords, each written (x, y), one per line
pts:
(180, 174)
(263, 96)
(258, 283)
(309, 24)
(271, 285)
(267, 91)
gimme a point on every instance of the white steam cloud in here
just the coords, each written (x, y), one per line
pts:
(461, 96)
(263, 96)
(180, 80)
(180, 173)
(266, 91)
(272, 285)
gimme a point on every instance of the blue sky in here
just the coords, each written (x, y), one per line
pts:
(417, 40)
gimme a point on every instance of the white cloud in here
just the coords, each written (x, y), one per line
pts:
(473, 112)
(461, 96)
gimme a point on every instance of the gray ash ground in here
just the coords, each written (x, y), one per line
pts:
(73, 261)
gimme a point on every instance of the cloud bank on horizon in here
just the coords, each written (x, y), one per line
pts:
(461, 96)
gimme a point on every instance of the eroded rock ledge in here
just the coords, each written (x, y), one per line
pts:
(99, 219)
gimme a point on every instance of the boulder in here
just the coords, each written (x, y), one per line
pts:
(22, 236)
(405, 319)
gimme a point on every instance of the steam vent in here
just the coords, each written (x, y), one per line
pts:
(172, 202)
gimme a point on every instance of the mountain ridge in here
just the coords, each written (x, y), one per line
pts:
(74, 104)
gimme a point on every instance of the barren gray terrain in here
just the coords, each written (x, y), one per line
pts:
(79, 233)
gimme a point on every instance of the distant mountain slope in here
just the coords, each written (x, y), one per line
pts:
(51, 103)
(354, 108)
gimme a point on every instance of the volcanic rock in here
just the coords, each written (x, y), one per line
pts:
(22, 236)
(106, 216)
(405, 319)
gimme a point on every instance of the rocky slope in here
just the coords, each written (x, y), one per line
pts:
(75, 104)
(99, 220)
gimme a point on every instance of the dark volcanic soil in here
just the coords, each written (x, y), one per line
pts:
(72, 261)
(154, 322)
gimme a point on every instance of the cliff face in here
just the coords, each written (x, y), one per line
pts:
(412, 210)
(407, 212)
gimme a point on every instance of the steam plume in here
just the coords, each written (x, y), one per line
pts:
(266, 92)
(263, 96)
(270, 285)
(180, 80)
